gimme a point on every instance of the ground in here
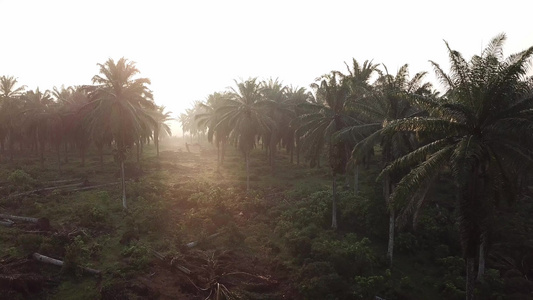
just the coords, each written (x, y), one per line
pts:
(145, 252)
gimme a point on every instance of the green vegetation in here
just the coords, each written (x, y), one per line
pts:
(334, 182)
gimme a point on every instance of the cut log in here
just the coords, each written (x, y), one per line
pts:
(42, 223)
(194, 243)
(48, 260)
(6, 222)
(57, 262)
(17, 218)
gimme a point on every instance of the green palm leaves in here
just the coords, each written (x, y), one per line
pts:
(481, 129)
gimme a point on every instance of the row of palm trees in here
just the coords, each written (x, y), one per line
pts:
(479, 130)
(117, 111)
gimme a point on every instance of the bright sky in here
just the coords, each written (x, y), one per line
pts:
(190, 49)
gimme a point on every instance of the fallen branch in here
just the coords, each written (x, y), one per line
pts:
(60, 263)
(46, 189)
(91, 187)
(63, 181)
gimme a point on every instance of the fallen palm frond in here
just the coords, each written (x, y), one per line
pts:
(63, 181)
(46, 189)
(90, 187)
(74, 187)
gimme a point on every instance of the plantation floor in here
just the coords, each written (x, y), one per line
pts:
(144, 252)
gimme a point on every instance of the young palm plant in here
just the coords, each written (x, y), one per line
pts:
(481, 130)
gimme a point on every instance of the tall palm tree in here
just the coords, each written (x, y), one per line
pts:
(244, 113)
(280, 111)
(388, 101)
(120, 105)
(358, 81)
(481, 129)
(327, 116)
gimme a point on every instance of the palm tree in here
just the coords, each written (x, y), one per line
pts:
(39, 119)
(481, 129)
(244, 113)
(161, 128)
(280, 111)
(296, 97)
(9, 110)
(358, 81)
(120, 105)
(389, 101)
(73, 102)
(327, 116)
(217, 132)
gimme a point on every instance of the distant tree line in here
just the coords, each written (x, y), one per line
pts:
(118, 111)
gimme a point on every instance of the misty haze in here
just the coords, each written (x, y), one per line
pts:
(265, 150)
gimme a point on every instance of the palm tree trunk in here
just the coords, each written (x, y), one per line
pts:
(66, 152)
(482, 253)
(356, 179)
(101, 155)
(247, 171)
(292, 154)
(297, 151)
(59, 157)
(272, 155)
(82, 155)
(123, 179)
(219, 154)
(156, 141)
(41, 152)
(334, 204)
(390, 247)
(470, 277)
(223, 152)
(386, 195)
(138, 148)
(10, 149)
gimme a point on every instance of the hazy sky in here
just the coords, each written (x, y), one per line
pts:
(190, 49)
